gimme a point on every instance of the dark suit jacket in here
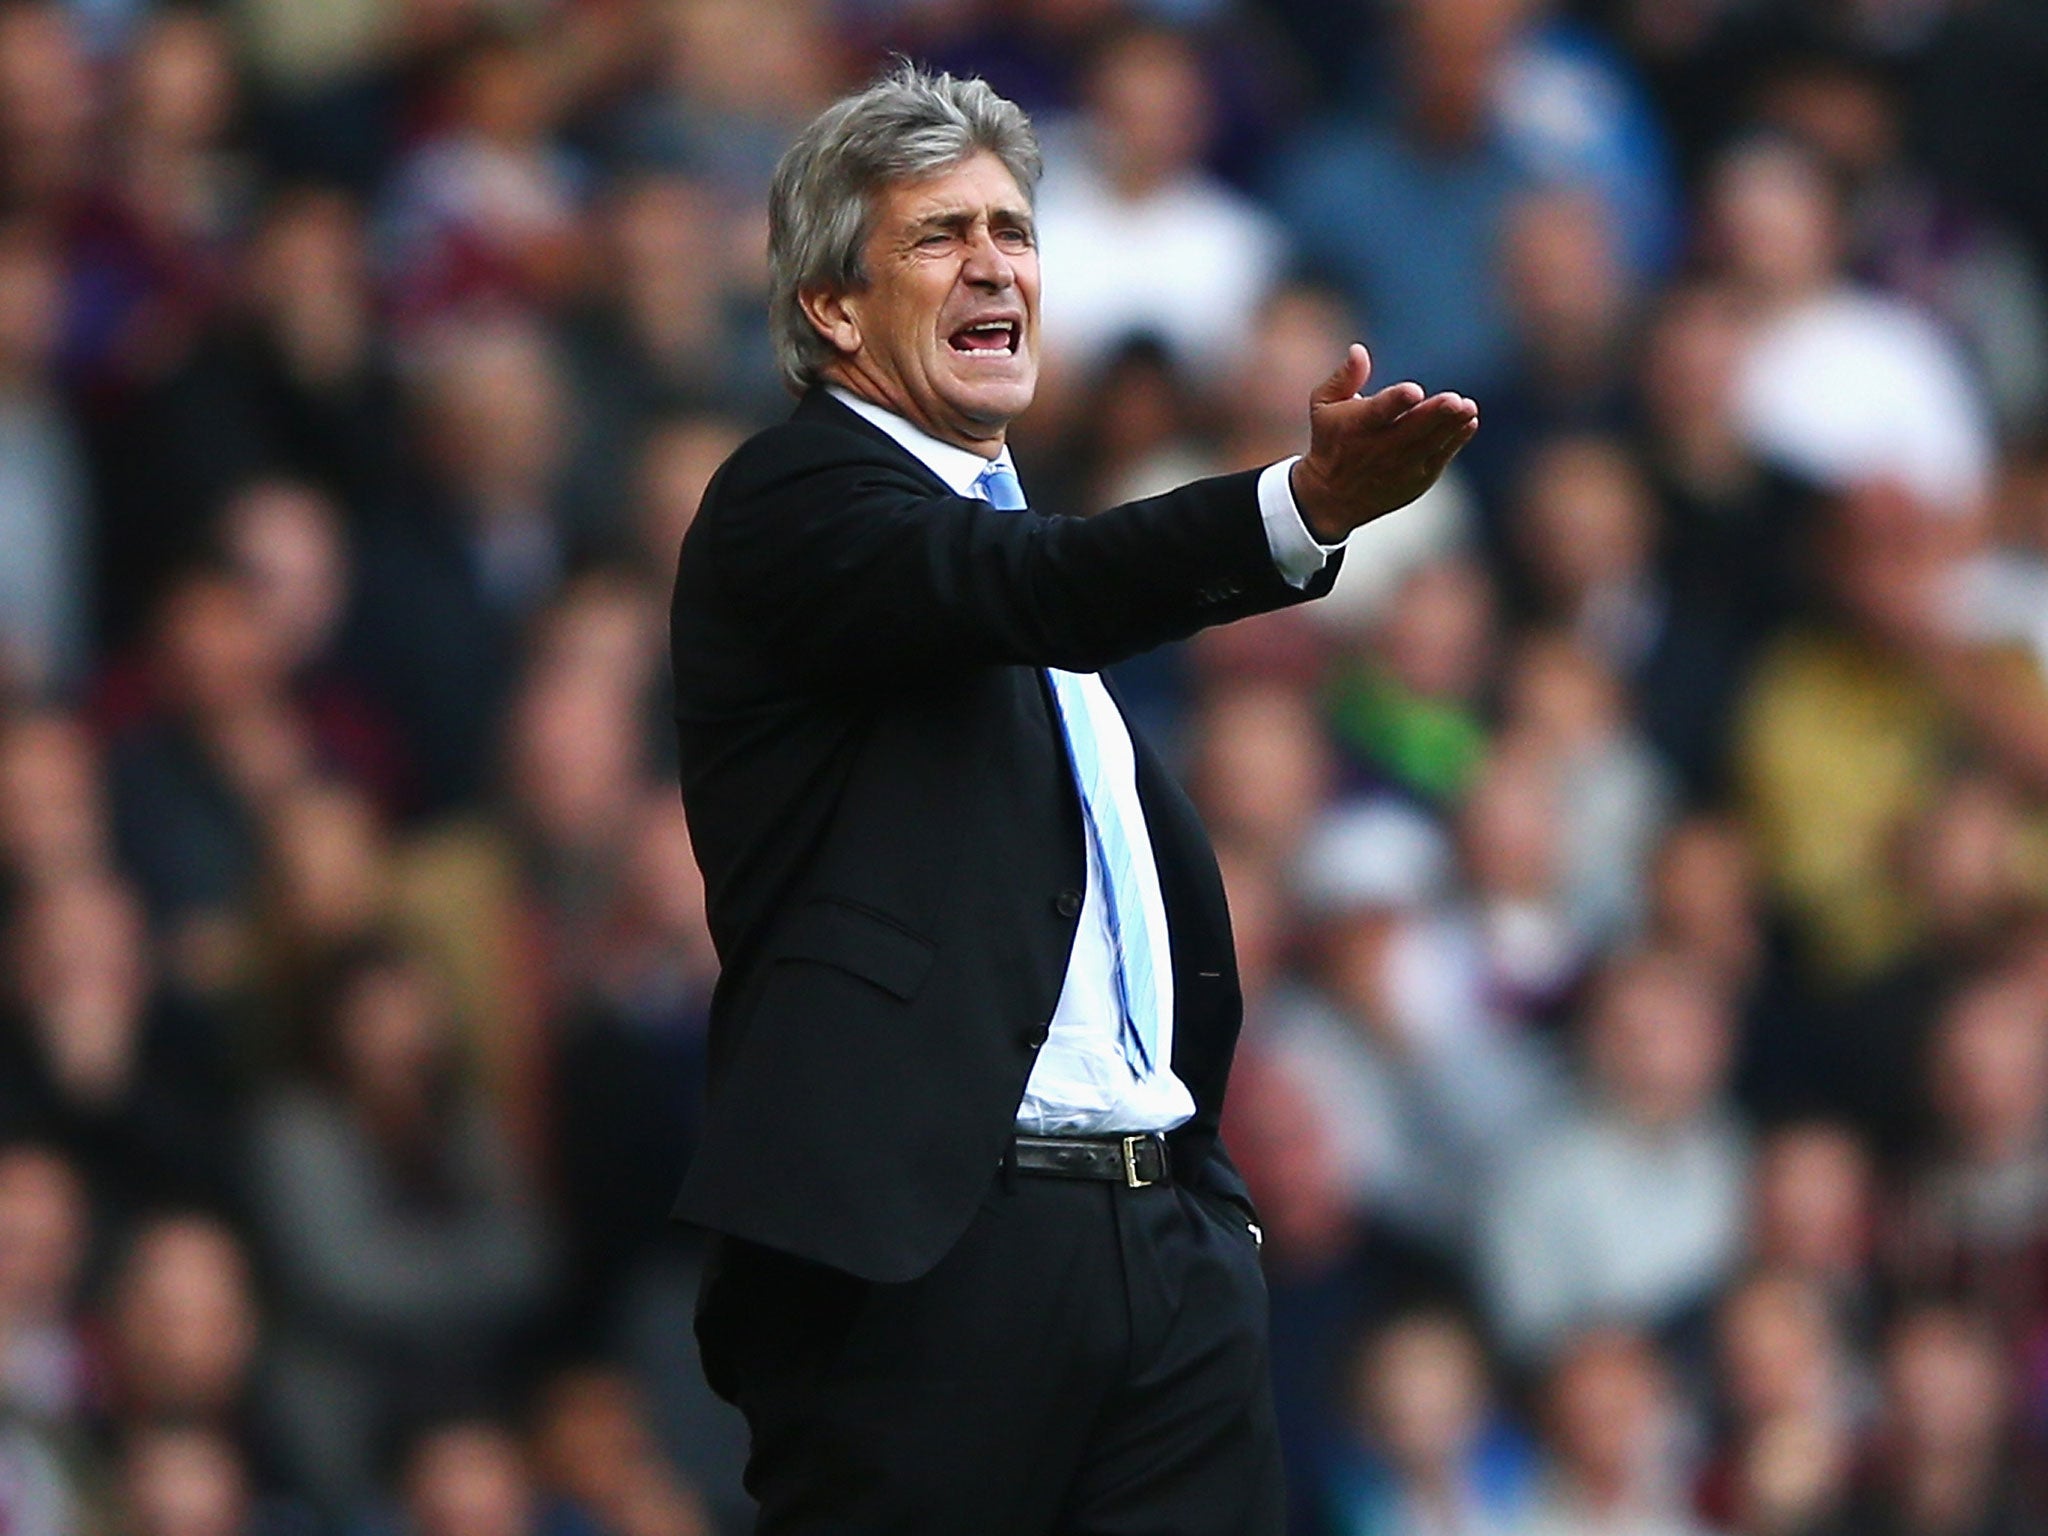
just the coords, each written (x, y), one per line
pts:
(890, 835)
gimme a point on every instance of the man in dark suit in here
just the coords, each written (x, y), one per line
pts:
(981, 1264)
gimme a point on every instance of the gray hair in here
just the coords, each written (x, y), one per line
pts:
(906, 126)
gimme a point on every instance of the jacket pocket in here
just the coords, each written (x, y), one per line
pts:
(861, 942)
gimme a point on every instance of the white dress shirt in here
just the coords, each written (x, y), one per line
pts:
(1082, 1083)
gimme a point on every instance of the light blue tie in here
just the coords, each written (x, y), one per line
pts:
(1136, 986)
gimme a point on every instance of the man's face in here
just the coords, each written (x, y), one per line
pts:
(945, 332)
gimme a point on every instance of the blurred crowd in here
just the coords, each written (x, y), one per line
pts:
(1639, 864)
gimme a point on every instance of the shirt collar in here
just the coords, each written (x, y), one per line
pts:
(957, 467)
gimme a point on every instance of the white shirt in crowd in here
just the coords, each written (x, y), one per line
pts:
(1852, 386)
(1099, 252)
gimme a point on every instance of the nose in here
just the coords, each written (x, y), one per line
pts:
(988, 266)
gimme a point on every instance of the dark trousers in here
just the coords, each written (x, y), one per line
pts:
(1088, 1360)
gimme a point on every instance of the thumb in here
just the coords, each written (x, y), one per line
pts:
(1347, 381)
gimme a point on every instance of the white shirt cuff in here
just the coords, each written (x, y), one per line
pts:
(1296, 554)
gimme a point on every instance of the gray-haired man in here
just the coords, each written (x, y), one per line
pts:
(981, 1262)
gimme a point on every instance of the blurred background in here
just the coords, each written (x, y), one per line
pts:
(1640, 864)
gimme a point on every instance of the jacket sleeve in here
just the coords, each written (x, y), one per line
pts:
(844, 562)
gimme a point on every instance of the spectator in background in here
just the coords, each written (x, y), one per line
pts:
(1329, 1266)
(657, 335)
(1934, 247)
(1704, 904)
(46, 592)
(1501, 952)
(444, 589)
(734, 81)
(1838, 384)
(180, 1331)
(1260, 764)
(53, 810)
(1293, 328)
(149, 257)
(1419, 1104)
(1034, 52)
(1615, 793)
(1571, 300)
(324, 79)
(406, 1243)
(91, 1059)
(290, 548)
(1137, 187)
(45, 1227)
(1963, 876)
(295, 384)
(329, 880)
(1609, 1418)
(1733, 529)
(1972, 1222)
(1573, 111)
(1788, 1440)
(1813, 1218)
(511, 898)
(1405, 214)
(1139, 430)
(1407, 708)
(1585, 536)
(1432, 1452)
(598, 1463)
(184, 1480)
(468, 1477)
(484, 214)
(629, 1064)
(1708, 903)
(677, 459)
(1850, 721)
(206, 735)
(1630, 1208)
(49, 106)
(1942, 1454)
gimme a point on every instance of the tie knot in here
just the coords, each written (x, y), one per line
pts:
(1001, 489)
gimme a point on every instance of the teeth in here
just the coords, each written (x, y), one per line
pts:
(984, 330)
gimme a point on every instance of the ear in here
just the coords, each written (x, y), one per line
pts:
(835, 316)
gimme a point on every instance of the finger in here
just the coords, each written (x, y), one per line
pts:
(1347, 381)
(1389, 405)
(1415, 431)
(1455, 418)
(1449, 450)
(1446, 446)
(1445, 406)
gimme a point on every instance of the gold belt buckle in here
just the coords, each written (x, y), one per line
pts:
(1131, 1178)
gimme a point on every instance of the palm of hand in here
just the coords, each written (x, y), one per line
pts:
(1371, 454)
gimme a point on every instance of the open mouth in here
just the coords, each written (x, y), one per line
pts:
(986, 336)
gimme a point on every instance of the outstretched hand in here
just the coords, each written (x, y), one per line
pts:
(1369, 454)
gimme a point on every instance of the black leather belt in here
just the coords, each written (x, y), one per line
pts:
(1135, 1161)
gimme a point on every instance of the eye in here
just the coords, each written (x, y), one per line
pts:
(1015, 237)
(937, 239)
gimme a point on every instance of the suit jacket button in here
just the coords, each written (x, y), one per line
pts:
(1036, 1035)
(1067, 903)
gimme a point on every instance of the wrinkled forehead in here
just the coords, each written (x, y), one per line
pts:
(976, 183)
